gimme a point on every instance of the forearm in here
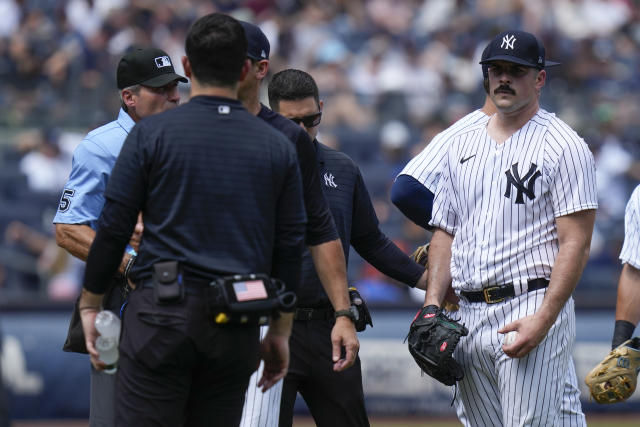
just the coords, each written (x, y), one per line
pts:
(115, 226)
(566, 272)
(328, 259)
(77, 239)
(281, 325)
(439, 272)
(574, 241)
(379, 251)
(628, 302)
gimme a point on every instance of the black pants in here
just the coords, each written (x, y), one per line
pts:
(335, 399)
(177, 368)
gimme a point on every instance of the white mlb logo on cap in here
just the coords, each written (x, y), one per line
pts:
(163, 61)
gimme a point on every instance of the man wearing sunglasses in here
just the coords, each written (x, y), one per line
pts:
(148, 85)
(514, 212)
(334, 398)
(321, 236)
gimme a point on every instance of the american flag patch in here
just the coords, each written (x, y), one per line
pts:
(251, 290)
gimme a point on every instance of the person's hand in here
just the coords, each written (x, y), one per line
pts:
(451, 300)
(344, 335)
(531, 331)
(274, 351)
(89, 307)
(136, 237)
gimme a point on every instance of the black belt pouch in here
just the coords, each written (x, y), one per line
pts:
(167, 282)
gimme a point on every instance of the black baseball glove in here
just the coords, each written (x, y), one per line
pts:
(432, 339)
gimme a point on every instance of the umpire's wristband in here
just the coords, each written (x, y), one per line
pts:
(622, 332)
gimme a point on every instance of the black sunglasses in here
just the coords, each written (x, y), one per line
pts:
(308, 121)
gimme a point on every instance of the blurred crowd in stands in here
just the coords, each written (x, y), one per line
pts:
(392, 74)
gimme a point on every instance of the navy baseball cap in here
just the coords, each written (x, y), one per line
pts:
(483, 58)
(150, 67)
(258, 45)
(518, 47)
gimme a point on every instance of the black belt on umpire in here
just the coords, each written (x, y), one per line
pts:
(496, 294)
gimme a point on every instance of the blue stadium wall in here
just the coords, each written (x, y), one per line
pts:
(43, 382)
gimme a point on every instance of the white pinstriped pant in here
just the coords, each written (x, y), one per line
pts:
(261, 409)
(540, 389)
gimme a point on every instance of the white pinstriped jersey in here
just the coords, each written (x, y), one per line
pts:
(426, 166)
(500, 201)
(630, 253)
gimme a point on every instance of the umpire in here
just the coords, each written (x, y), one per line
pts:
(334, 398)
(183, 169)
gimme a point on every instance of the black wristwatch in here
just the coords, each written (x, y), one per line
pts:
(346, 313)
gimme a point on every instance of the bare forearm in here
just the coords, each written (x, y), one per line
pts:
(328, 259)
(574, 237)
(439, 271)
(628, 303)
(281, 326)
(77, 239)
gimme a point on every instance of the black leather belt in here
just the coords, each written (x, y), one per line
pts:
(495, 294)
(323, 313)
(190, 287)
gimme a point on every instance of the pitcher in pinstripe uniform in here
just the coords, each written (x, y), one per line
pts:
(627, 306)
(514, 212)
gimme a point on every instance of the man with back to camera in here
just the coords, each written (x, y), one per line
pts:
(148, 85)
(334, 398)
(513, 244)
(321, 238)
(182, 168)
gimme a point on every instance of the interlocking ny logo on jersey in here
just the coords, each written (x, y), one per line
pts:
(508, 41)
(329, 180)
(521, 184)
(163, 61)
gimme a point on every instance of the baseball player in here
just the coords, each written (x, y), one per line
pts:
(334, 398)
(322, 239)
(627, 305)
(514, 212)
(148, 84)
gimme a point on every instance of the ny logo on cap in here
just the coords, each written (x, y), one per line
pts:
(162, 61)
(508, 41)
(263, 54)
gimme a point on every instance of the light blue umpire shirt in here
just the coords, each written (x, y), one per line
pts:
(83, 196)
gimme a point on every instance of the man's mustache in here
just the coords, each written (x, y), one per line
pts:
(504, 88)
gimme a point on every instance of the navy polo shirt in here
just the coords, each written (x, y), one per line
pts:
(320, 226)
(219, 190)
(357, 225)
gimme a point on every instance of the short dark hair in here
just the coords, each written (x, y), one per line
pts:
(217, 49)
(291, 85)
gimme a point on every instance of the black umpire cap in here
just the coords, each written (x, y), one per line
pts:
(518, 47)
(150, 67)
(258, 45)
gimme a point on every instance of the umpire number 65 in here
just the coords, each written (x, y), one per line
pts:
(65, 199)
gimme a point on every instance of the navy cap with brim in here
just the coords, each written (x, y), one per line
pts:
(516, 60)
(163, 79)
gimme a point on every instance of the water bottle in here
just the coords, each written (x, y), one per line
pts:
(108, 325)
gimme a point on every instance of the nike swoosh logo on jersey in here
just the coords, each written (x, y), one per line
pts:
(464, 160)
